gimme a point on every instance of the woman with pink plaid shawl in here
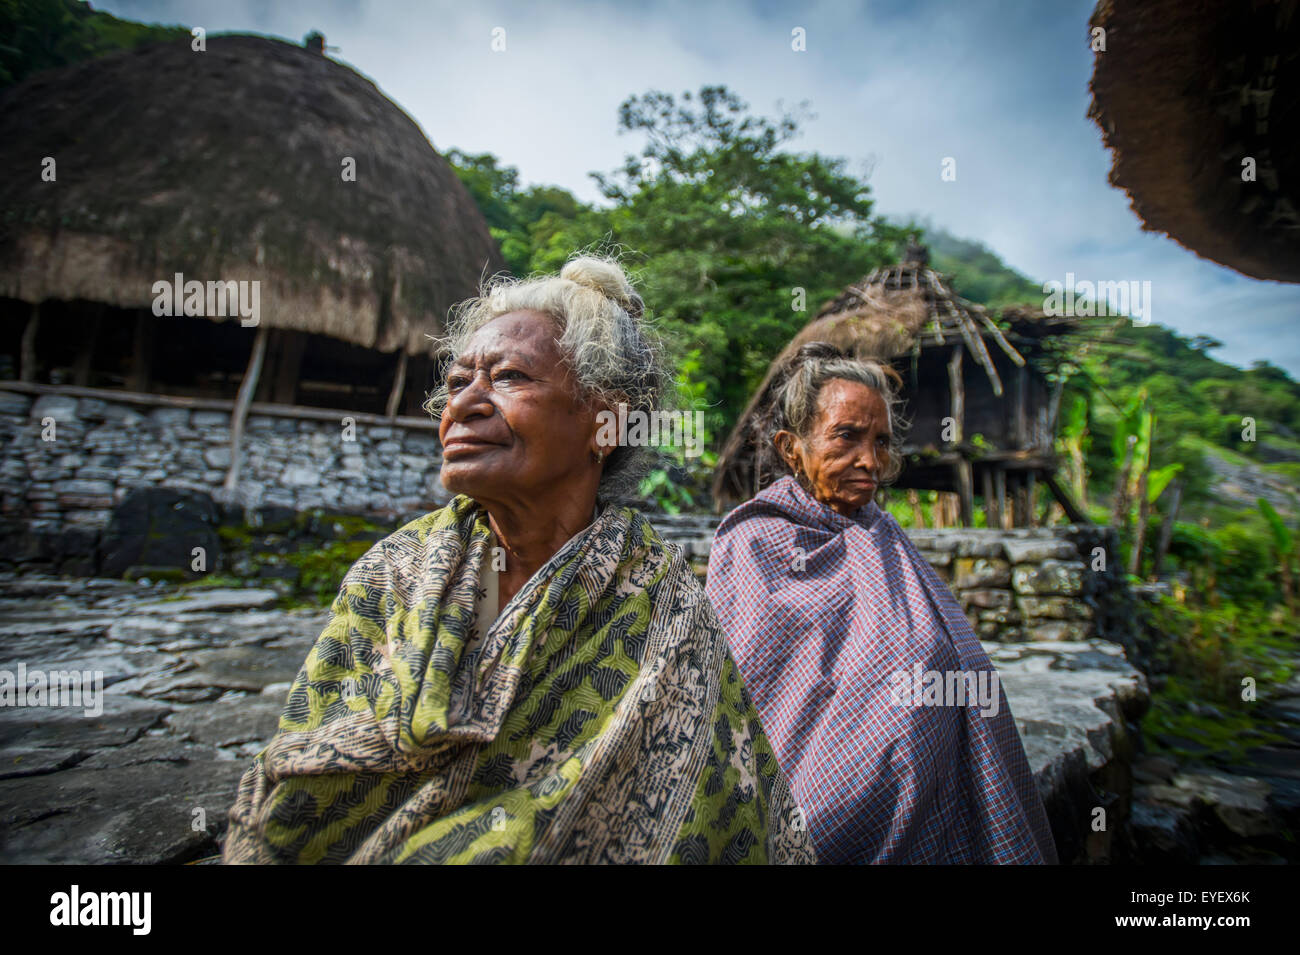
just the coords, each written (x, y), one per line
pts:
(885, 712)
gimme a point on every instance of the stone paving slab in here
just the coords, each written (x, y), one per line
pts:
(194, 688)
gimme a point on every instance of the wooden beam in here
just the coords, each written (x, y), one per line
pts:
(399, 386)
(1072, 510)
(27, 351)
(242, 401)
(422, 423)
(1014, 460)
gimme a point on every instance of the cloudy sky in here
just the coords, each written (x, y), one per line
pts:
(997, 85)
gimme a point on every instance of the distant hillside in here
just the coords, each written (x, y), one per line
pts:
(1203, 406)
(977, 272)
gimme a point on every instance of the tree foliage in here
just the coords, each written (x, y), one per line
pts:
(44, 34)
(729, 230)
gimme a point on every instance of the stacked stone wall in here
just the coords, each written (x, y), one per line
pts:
(1046, 584)
(68, 462)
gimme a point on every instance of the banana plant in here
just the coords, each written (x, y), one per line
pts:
(1285, 545)
(1076, 439)
(1138, 485)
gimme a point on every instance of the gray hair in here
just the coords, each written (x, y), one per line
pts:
(800, 381)
(611, 349)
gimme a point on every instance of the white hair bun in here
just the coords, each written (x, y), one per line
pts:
(607, 277)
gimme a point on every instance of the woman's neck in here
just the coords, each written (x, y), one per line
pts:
(531, 539)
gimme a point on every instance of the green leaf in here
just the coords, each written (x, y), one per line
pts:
(1159, 479)
(1281, 533)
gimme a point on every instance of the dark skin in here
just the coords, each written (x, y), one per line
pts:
(519, 438)
(846, 447)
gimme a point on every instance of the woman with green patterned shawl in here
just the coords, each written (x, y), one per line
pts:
(530, 674)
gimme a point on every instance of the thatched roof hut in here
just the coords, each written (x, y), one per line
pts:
(253, 165)
(957, 363)
(228, 164)
(1199, 101)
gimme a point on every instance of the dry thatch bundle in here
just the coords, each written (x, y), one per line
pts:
(1192, 94)
(228, 165)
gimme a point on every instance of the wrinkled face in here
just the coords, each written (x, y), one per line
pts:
(514, 428)
(846, 448)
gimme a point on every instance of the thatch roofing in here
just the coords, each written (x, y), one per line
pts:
(894, 311)
(227, 164)
(1184, 92)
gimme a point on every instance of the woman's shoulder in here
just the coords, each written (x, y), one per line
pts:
(765, 511)
(770, 522)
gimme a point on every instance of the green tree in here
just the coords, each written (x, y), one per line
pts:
(44, 34)
(734, 232)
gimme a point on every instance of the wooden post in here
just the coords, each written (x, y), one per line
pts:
(399, 386)
(1000, 489)
(1022, 420)
(289, 368)
(1031, 493)
(964, 476)
(246, 388)
(86, 347)
(990, 502)
(966, 493)
(1053, 412)
(1021, 502)
(957, 393)
(27, 351)
(918, 515)
(271, 365)
(141, 353)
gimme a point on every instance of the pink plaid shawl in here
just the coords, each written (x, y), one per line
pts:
(826, 616)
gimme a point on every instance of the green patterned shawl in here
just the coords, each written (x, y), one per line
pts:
(601, 719)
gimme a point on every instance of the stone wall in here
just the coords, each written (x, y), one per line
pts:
(57, 495)
(195, 680)
(1029, 584)
(1033, 584)
(57, 498)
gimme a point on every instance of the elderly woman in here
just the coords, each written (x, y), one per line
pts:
(529, 674)
(884, 710)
